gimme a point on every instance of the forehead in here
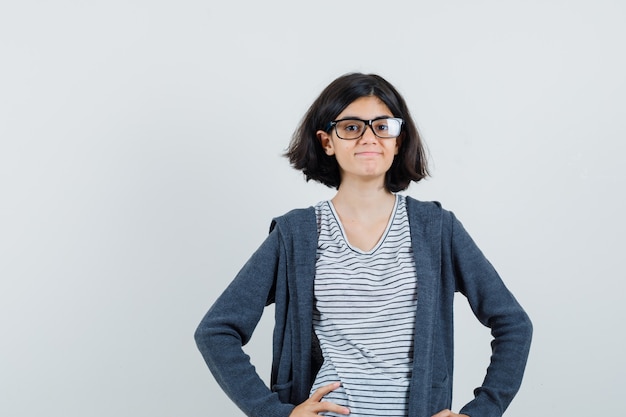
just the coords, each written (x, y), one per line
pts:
(368, 107)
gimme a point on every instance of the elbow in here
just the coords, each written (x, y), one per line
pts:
(206, 343)
(204, 337)
(528, 326)
(201, 337)
(214, 338)
(198, 335)
(521, 333)
(206, 334)
(525, 325)
(516, 328)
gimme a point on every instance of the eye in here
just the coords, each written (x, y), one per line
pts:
(350, 126)
(382, 127)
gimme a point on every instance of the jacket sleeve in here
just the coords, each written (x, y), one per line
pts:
(228, 326)
(495, 307)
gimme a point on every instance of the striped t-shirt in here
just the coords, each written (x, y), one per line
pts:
(364, 315)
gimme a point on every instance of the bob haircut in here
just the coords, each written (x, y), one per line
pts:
(305, 151)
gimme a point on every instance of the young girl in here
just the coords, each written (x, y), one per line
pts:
(363, 284)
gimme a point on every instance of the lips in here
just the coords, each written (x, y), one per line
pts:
(367, 153)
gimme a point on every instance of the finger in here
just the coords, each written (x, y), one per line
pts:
(321, 391)
(443, 413)
(334, 408)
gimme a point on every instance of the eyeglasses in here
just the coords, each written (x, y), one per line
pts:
(352, 128)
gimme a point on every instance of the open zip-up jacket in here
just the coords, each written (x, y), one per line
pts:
(282, 271)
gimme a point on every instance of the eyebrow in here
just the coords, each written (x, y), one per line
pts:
(358, 118)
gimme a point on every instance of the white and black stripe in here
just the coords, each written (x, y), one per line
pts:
(365, 315)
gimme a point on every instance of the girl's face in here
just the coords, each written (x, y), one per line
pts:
(369, 157)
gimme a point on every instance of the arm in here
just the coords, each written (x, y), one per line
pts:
(496, 308)
(448, 413)
(228, 326)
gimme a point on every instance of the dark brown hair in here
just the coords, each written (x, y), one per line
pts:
(305, 151)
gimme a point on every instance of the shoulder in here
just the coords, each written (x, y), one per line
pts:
(296, 232)
(300, 219)
(430, 215)
(425, 208)
(416, 204)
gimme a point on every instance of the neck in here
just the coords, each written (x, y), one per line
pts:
(363, 200)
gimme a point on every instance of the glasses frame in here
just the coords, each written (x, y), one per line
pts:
(367, 123)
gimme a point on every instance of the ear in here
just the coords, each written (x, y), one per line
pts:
(326, 142)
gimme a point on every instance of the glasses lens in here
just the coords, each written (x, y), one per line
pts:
(387, 128)
(350, 128)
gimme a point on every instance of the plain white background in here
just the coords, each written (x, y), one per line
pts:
(140, 165)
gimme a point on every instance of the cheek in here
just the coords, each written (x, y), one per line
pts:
(394, 147)
(343, 147)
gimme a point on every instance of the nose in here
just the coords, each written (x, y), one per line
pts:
(368, 134)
